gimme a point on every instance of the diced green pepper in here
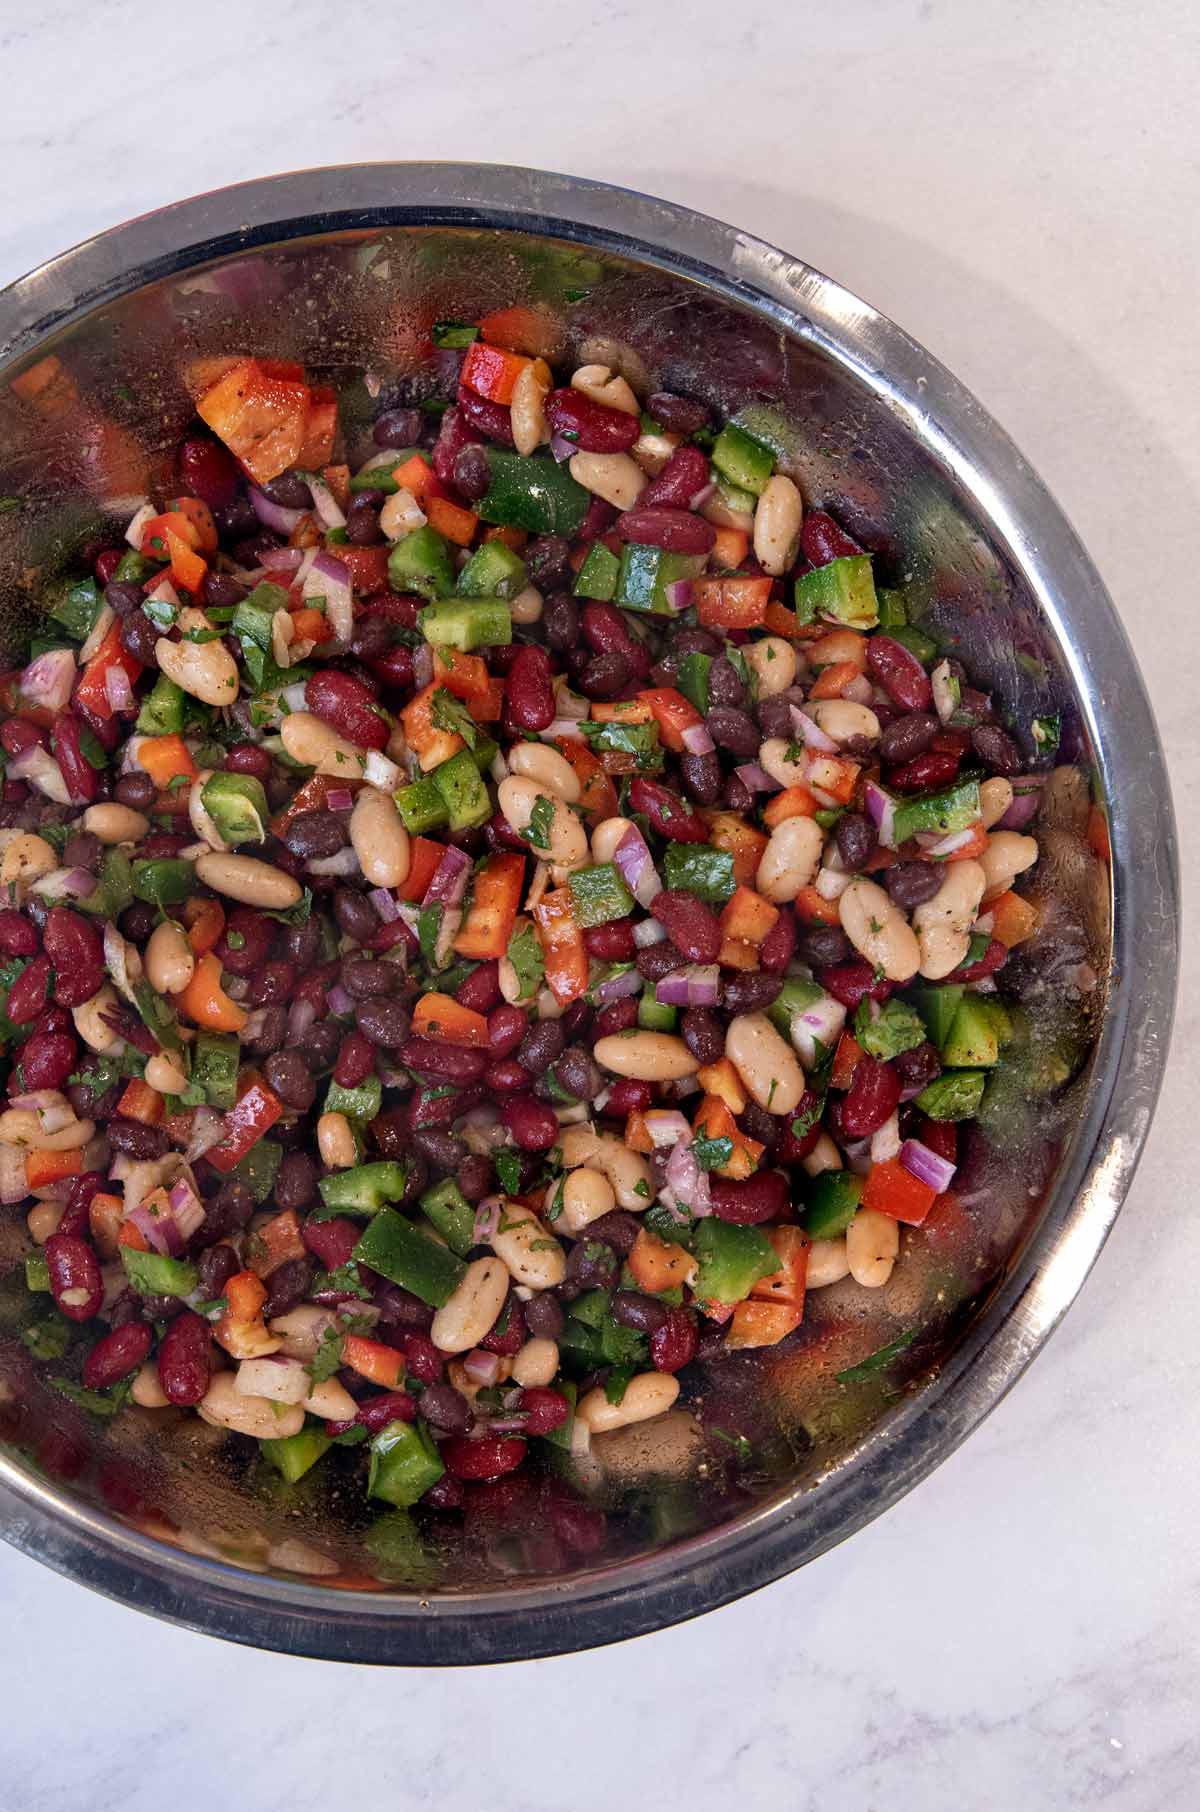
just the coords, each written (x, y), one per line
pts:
(154, 1274)
(163, 880)
(953, 1096)
(692, 679)
(833, 1199)
(655, 1015)
(252, 624)
(597, 577)
(732, 1259)
(134, 568)
(466, 623)
(451, 1215)
(893, 612)
(77, 608)
(238, 807)
(646, 573)
(842, 590)
(708, 873)
(361, 1103)
(955, 809)
(421, 806)
(406, 1257)
(493, 571)
(917, 642)
(743, 461)
(215, 1060)
(937, 1007)
(533, 493)
(404, 1464)
(366, 1188)
(294, 1455)
(599, 895)
(37, 1271)
(973, 1041)
(795, 995)
(615, 738)
(259, 1168)
(421, 562)
(115, 891)
(454, 334)
(162, 711)
(888, 1029)
(379, 478)
(463, 791)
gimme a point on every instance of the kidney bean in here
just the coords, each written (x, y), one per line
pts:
(993, 958)
(543, 1409)
(606, 631)
(703, 1033)
(79, 776)
(592, 426)
(75, 1280)
(532, 1124)
(455, 433)
(273, 983)
(778, 947)
(245, 943)
(750, 991)
(628, 1095)
(47, 1060)
(207, 471)
(18, 935)
(79, 1199)
(443, 1149)
(822, 540)
(621, 1016)
(856, 841)
(448, 1061)
(667, 813)
(910, 884)
(185, 1359)
(422, 1359)
(786, 1147)
(355, 1061)
(509, 1333)
(691, 925)
(873, 1096)
(685, 473)
(935, 769)
(529, 691)
(491, 419)
(17, 734)
(611, 943)
(657, 960)
(385, 1022)
(52, 1021)
(645, 1314)
(996, 748)
(491, 1457)
(940, 1136)
(214, 1268)
(27, 995)
(673, 1345)
(899, 672)
(677, 414)
(506, 1028)
(762, 1197)
(83, 850)
(854, 981)
(907, 737)
(432, 1107)
(605, 676)
(481, 990)
(118, 1354)
(330, 1241)
(676, 530)
(106, 564)
(345, 703)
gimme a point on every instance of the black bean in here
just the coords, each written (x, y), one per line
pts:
(724, 685)
(137, 791)
(269, 1033)
(296, 1181)
(356, 916)
(631, 1309)
(544, 1317)
(289, 491)
(137, 1140)
(701, 776)
(758, 1124)
(291, 1079)
(692, 639)
(560, 622)
(123, 595)
(140, 637)
(710, 1341)
(617, 1229)
(576, 1021)
(221, 590)
(541, 1045)
(856, 841)
(225, 1213)
(300, 944)
(443, 1149)
(446, 1409)
(88, 1104)
(318, 1046)
(310, 835)
(398, 428)
(476, 1176)
(127, 1308)
(750, 991)
(577, 1074)
(917, 1068)
(83, 850)
(822, 945)
(775, 716)
(591, 1265)
(250, 551)
(416, 1179)
(362, 523)
(677, 414)
(288, 1285)
(912, 883)
(660, 959)
(737, 796)
(604, 675)
(733, 730)
(399, 1308)
(384, 1022)
(472, 473)
(703, 1034)
(162, 1308)
(994, 746)
(365, 979)
(908, 736)
(138, 921)
(548, 562)
(372, 637)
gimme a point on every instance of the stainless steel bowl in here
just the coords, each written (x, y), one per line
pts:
(345, 269)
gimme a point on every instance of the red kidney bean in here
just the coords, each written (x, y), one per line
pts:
(499, 834)
(852, 982)
(422, 1360)
(447, 1494)
(685, 473)
(873, 1096)
(273, 983)
(993, 958)
(788, 1149)
(691, 926)
(79, 776)
(47, 1060)
(106, 730)
(509, 1332)
(673, 1345)
(330, 1241)
(611, 943)
(106, 564)
(543, 1409)
(762, 1197)
(355, 1061)
(598, 520)
(628, 1095)
(940, 1136)
(605, 630)
(75, 1280)
(118, 1354)
(667, 813)
(492, 419)
(76, 953)
(488, 1458)
(185, 1359)
(900, 673)
(17, 734)
(432, 1107)
(246, 941)
(393, 1406)
(676, 530)
(481, 990)
(529, 691)
(454, 434)
(403, 611)
(248, 758)
(18, 935)
(532, 1124)
(821, 540)
(164, 843)
(208, 472)
(506, 1076)
(937, 768)
(779, 946)
(395, 668)
(27, 996)
(450, 1061)
(345, 703)
(592, 426)
(507, 1026)
(74, 1220)
(54, 1019)
(621, 1016)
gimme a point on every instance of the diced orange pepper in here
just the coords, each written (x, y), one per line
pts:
(748, 916)
(261, 418)
(417, 476)
(92, 689)
(793, 802)
(206, 1003)
(890, 1189)
(840, 645)
(975, 847)
(424, 860)
(164, 758)
(245, 1293)
(673, 713)
(274, 1243)
(141, 1102)
(430, 744)
(338, 480)
(736, 954)
(562, 945)
(450, 519)
(187, 568)
(320, 429)
(205, 920)
(781, 621)
(786, 1285)
(761, 1324)
(310, 625)
(48, 387)
(1098, 838)
(490, 371)
(832, 681)
(516, 538)
(737, 603)
(721, 1079)
(657, 1265)
(372, 1359)
(714, 1121)
(846, 1061)
(813, 908)
(729, 549)
(447, 1021)
(831, 774)
(155, 532)
(465, 675)
(130, 1234)
(42, 1167)
(105, 1214)
(495, 902)
(729, 831)
(1013, 919)
(598, 795)
(623, 711)
(637, 1134)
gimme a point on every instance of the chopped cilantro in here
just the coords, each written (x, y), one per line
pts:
(451, 715)
(712, 1154)
(537, 831)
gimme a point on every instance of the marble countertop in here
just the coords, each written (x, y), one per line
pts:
(1018, 191)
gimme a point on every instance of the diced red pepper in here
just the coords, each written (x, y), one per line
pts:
(673, 714)
(845, 1061)
(890, 1189)
(91, 690)
(424, 860)
(492, 372)
(494, 906)
(141, 1102)
(562, 945)
(731, 603)
(254, 1114)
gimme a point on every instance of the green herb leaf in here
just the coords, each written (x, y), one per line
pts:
(450, 714)
(537, 831)
(96, 1402)
(711, 1154)
(884, 1031)
(50, 1337)
(877, 1361)
(328, 1357)
(525, 955)
(429, 925)
(508, 1170)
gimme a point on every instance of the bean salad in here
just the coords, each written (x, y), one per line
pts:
(492, 919)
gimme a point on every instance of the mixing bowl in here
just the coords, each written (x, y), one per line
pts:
(346, 269)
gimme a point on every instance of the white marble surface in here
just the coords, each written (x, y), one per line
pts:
(1018, 186)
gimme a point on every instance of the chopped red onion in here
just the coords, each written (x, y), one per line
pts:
(339, 799)
(53, 1110)
(39, 767)
(755, 779)
(697, 741)
(187, 1208)
(48, 680)
(301, 1015)
(647, 932)
(117, 688)
(697, 985)
(379, 771)
(562, 448)
(480, 1367)
(1027, 797)
(449, 883)
(282, 559)
(619, 987)
(159, 1229)
(339, 1002)
(704, 495)
(562, 726)
(325, 506)
(273, 515)
(858, 1156)
(687, 1183)
(679, 594)
(422, 663)
(637, 869)
(384, 904)
(667, 1126)
(512, 1424)
(859, 689)
(208, 1129)
(881, 809)
(811, 733)
(926, 1165)
(487, 1220)
(941, 847)
(66, 884)
(327, 578)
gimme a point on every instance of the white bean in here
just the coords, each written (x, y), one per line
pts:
(401, 514)
(225, 1406)
(90, 1023)
(995, 797)
(843, 719)
(823, 1156)
(147, 1392)
(626, 1170)
(652, 451)
(165, 1074)
(773, 755)
(790, 859)
(878, 930)
(944, 923)
(527, 606)
(379, 838)
(336, 1142)
(774, 663)
(646, 1395)
(872, 1247)
(827, 1263)
(777, 519)
(535, 1364)
(587, 1194)
(613, 476)
(1008, 854)
(529, 426)
(606, 836)
(19, 1126)
(43, 1220)
(646, 1056)
(568, 844)
(170, 962)
(532, 1254)
(313, 743)
(470, 1313)
(723, 515)
(26, 859)
(613, 391)
(247, 879)
(552, 772)
(206, 670)
(114, 823)
(766, 1064)
(331, 1400)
